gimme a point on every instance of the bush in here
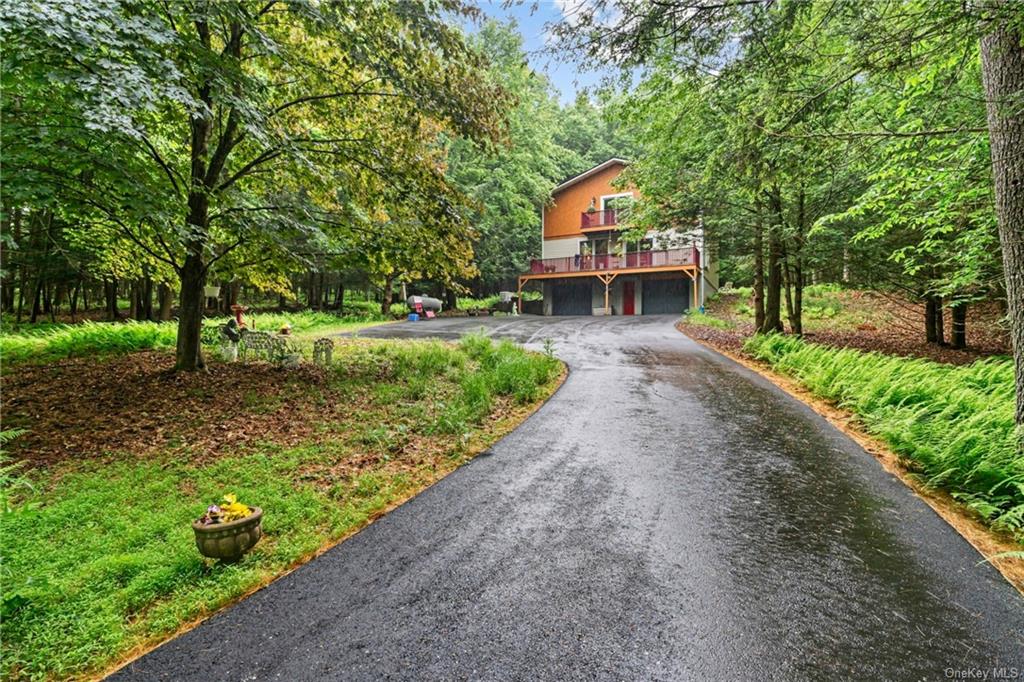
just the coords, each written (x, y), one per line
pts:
(953, 425)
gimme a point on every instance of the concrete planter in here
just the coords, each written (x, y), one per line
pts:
(229, 541)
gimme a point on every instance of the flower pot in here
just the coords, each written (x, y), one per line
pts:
(229, 541)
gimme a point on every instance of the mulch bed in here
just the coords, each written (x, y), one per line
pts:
(902, 333)
(135, 404)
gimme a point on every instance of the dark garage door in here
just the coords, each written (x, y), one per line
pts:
(663, 296)
(571, 299)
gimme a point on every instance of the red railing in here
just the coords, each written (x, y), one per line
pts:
(606, 218)
(642, 259)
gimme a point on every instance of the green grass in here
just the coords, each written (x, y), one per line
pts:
(952, 425)
(53, 342)
(467, 303)
(98, 557)
(700, 318)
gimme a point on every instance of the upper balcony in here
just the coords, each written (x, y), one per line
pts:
(671, 259)
(599, 220)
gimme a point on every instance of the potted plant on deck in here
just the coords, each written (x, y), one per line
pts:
(228, 530)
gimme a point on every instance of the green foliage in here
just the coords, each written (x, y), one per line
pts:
(83, 585)
(700, 318)
(466, 303)
(953, 425)
(12, 481)
(503, 369)
(87, 338)
(43, 343)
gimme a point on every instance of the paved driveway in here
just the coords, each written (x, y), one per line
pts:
(667, 515)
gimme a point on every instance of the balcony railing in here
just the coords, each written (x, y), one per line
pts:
(639, 260)
(605, 218)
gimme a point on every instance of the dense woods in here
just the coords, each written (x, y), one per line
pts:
(874, 144)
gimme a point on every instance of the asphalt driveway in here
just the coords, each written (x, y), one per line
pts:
(668, 514)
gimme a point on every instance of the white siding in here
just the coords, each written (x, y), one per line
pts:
(560, 248)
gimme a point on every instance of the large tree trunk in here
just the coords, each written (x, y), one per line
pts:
(190, 315)
(1002, 68)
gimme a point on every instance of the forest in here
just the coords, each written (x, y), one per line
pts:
(855, 170)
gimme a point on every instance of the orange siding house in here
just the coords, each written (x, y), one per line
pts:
(586, 268)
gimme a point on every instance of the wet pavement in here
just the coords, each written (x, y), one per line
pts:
(667, 515)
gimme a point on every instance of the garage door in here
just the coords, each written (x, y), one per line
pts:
(571, 299)
(662, 296)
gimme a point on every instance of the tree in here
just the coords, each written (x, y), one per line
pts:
(509, 184)
(232, 125)
(891, 38)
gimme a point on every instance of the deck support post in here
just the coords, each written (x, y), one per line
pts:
(519, 296)
(607, 279)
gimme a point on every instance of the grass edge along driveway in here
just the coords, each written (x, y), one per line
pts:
(99, 562)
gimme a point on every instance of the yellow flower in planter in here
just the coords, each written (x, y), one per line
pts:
(232, 509)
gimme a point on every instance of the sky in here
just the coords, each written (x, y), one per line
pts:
(531, 16)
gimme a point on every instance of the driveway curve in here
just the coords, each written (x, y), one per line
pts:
(667, 515)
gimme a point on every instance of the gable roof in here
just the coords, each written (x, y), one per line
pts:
(587, 173)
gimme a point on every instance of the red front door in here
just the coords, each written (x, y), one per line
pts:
(628, 298)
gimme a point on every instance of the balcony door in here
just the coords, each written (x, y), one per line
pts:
(615, 207)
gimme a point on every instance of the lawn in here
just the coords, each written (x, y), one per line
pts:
(98, 556)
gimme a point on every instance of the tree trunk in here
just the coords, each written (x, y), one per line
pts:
(773, 295)
(165, 299)
(190, 315)
(451, 299)
(958, 332)
(929, 319)
(795, 266)
(385, 302)
(339, 299)
(110, 292)
(759, 269)
(74, 299)
(36, 301)
(1002, 69)
(940, 323)
(133, 300)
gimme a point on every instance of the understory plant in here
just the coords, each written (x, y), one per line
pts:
(952, 425)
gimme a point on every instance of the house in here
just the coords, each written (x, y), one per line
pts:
(587, 268)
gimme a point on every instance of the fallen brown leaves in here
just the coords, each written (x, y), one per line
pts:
(136, 405)
(869, 321)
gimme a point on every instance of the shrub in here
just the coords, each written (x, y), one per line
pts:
(953, 425)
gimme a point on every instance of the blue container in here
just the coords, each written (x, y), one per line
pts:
(413, 317)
